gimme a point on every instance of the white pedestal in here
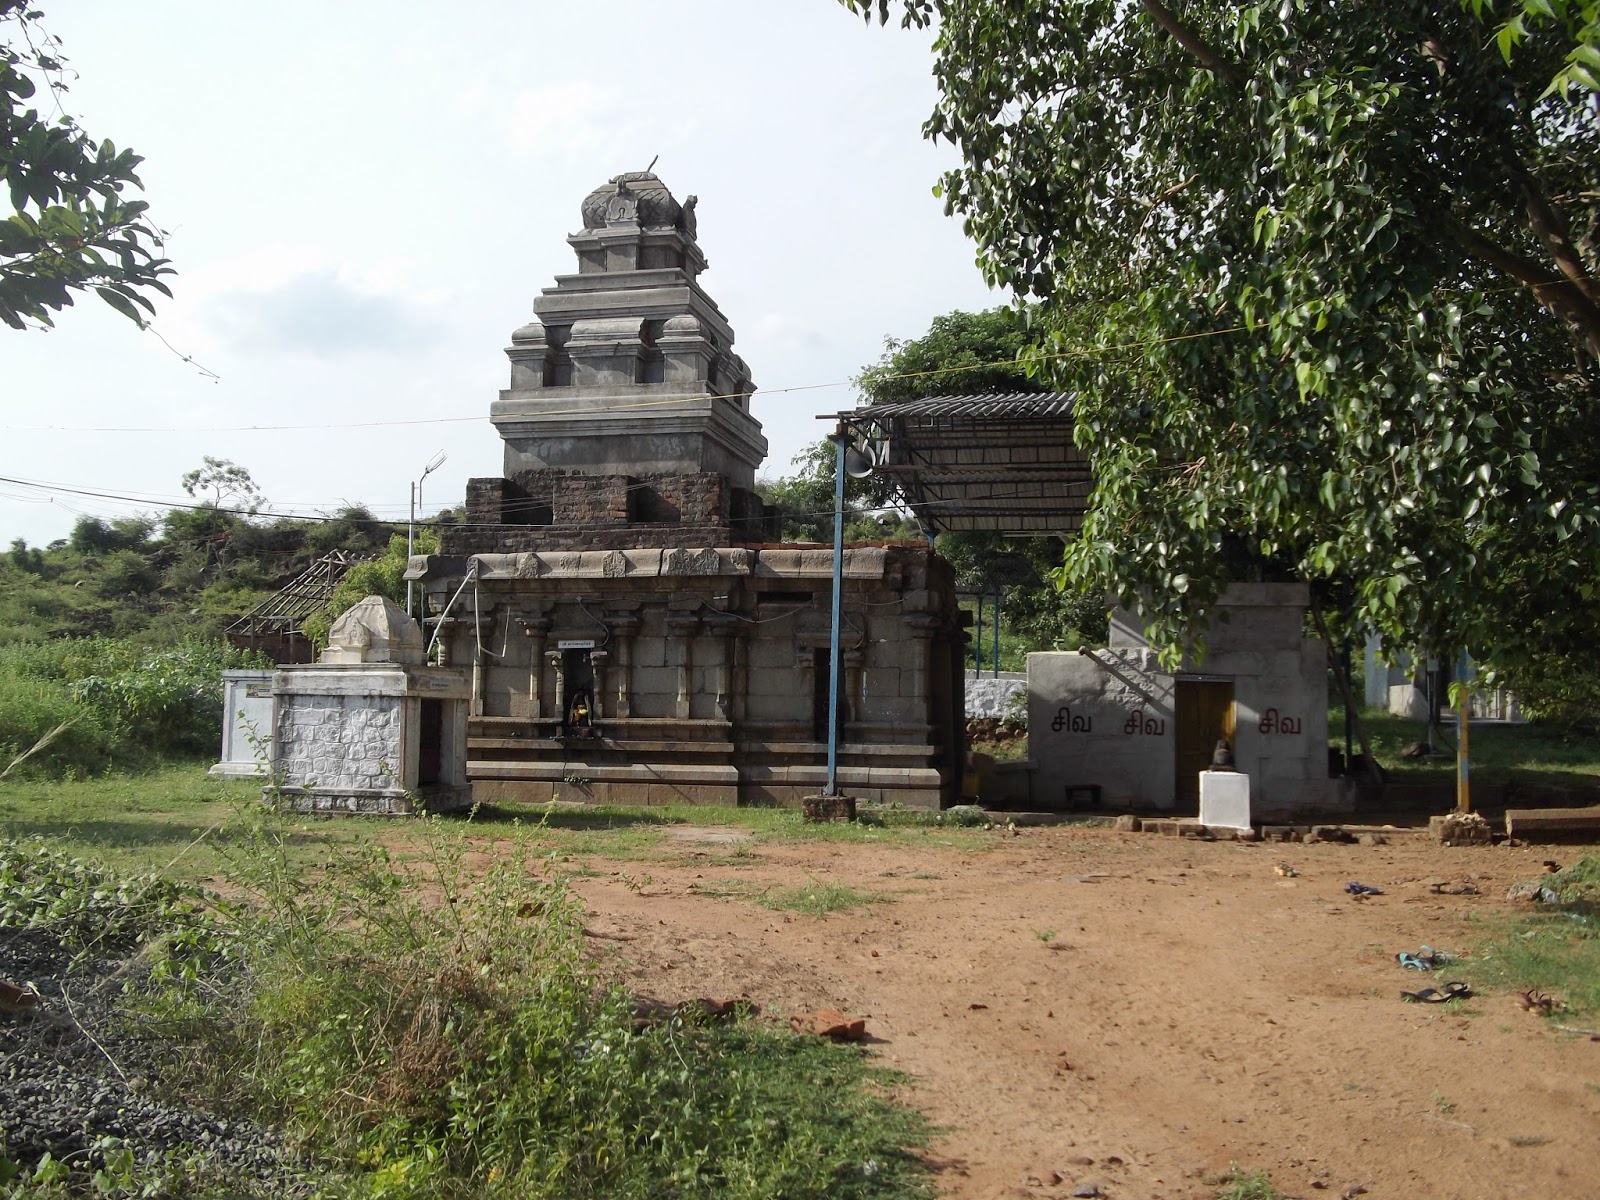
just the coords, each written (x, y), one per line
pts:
(1225, 799)
(246, 725)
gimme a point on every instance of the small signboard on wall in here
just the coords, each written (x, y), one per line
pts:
(575, 644)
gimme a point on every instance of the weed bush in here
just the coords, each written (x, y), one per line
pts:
(83, 904)
(127, 705)
(434, 1031)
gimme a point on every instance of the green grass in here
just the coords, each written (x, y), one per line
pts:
(175, 816)
(1532, 754)
(172, 819)
(815, 898)
(818, 898)
(1556, 949)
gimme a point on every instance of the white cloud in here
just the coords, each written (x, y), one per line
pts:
(319, 314)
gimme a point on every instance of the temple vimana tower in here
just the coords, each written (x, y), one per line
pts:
(635, 631)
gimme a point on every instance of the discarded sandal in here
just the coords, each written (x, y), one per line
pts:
(1536, 1004)
(1450, 991)
(1361, 889)
(1425, 996)
(1425, 959)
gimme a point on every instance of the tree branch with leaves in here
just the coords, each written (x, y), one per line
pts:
(1322, 287)
(73, 227)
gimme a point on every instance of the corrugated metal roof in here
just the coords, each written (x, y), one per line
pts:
(996, 461)
(984, 406)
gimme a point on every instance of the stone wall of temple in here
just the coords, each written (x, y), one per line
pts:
(631, 633)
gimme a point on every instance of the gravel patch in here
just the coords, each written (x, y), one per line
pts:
(73, 1073)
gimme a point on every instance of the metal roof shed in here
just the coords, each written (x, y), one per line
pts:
(1002, 462)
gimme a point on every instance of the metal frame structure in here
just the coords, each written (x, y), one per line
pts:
(1004, 462)
(274, 625)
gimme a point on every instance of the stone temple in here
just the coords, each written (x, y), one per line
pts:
(634, 631)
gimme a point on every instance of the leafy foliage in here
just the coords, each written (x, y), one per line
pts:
(72, 227)
(1322, 280)
(123, 703)
(385, 576)
(222, 479)
(961, 354)
(84, 904)
(805, 501)
(1577, 23)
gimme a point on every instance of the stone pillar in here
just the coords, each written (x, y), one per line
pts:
(537, 628)
(478, 678)
(853, 670)
(726, 626)
(805, 661)
(623, 628)
(681, 628)
(923, 626)
(480, 657)
(597, 663)
(739, 647)
(446, 630)
(554, 658)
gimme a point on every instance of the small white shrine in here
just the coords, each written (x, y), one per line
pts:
(369, 728)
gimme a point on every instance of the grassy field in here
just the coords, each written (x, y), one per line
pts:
(176, 821)
(1502, 756)
(173, 821)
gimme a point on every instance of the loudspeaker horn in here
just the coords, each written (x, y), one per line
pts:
(858, 462)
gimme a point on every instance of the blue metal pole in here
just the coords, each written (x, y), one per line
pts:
(838, 595)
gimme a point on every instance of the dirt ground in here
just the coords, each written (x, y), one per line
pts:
(1078, 1005)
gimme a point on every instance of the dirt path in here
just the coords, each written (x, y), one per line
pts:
(1084, 1006)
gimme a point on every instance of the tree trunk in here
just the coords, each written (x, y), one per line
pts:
(1370, 772)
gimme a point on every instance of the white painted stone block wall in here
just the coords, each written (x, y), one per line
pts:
(341, 742)
(1101, 719)
(1106, 718)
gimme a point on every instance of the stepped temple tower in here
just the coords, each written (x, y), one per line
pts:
(635, 632)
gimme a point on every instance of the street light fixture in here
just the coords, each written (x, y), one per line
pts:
(433, 465)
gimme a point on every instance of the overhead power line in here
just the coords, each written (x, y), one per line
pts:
(640, 405)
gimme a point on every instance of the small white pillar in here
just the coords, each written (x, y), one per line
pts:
(1225, 799)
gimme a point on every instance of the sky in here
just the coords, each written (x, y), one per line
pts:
(363, 200)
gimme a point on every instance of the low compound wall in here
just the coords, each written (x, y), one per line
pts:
(991, 697)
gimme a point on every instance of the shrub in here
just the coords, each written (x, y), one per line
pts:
(127, 704)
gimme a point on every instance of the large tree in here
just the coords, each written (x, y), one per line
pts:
(73, 227)
(1323, 279)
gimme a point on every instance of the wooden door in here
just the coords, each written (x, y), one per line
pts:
(1203, 712)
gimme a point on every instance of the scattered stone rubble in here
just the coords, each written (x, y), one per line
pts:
(73, 1074)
